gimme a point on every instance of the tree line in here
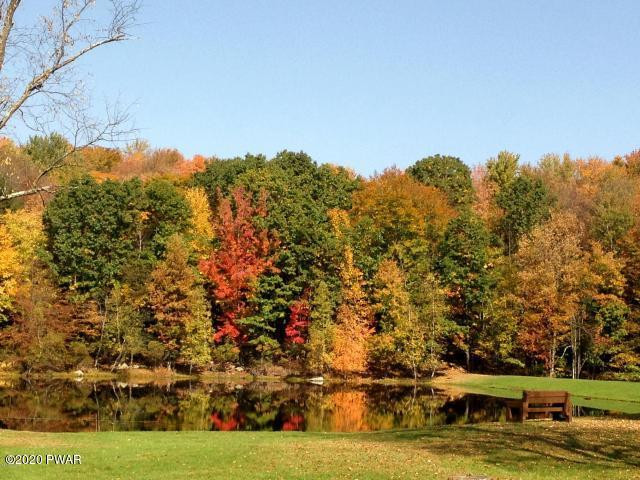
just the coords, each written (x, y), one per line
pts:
(139, 255)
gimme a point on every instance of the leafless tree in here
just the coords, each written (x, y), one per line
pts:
(40, 85)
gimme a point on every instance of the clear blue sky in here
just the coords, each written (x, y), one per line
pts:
(369, 84)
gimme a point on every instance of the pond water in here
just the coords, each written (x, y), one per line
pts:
(66, 406)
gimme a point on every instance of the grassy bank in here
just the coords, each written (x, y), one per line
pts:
(585, 449)
(607, 395)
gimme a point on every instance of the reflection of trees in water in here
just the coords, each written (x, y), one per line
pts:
(55, 407)
(71, 406)
(256, 408)
(378, 407)
(60, 406)
(372, 408)
(349, 411)
(405, 407)
(193, 410)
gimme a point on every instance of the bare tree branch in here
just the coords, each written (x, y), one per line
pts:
(39, 86)
(24, 193)
(38, 82)
(7, 25)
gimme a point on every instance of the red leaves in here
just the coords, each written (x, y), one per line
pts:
(296, 329)
(228, 328)
(243, 255)
(229, 424)
(294, 423)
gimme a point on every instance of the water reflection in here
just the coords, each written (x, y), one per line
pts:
(70, 406)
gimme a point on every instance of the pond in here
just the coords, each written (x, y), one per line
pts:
(67, 406)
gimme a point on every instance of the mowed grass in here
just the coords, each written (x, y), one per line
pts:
(585, 449)
(607, 395)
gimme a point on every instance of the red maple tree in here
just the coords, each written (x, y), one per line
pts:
(243, 254)
(298, 324)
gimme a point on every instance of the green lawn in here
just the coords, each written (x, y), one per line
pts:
(584, 449)
(607, 395)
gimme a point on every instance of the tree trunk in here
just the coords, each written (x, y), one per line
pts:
(467, 354)
(552, 357)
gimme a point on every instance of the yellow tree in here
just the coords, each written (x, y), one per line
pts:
(178, 302)
(9, 271)
(390, 295)
(201, 220)
(25, 228)
(321, 329)
(412, 326)
(354, 315)
(20, 234)
(551, 265)
(400, 212)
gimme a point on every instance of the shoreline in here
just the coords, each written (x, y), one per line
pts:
(145, 375)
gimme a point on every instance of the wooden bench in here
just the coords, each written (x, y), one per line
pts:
(541, 404)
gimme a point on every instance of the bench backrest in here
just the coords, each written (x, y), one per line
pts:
(541, 396)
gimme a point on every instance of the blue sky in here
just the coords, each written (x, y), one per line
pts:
(369, 84)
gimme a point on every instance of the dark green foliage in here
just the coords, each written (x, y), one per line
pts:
(526, 203)
(299, 195)
(94, 229)
(447, 173)
(465, 269)
(91, 231)
(45, 150)
(167, 213)
(464, 258)
(223, 174)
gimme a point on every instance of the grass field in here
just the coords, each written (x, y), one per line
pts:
(584, 449)
(607, 395)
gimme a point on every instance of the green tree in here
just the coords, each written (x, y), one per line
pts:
(45, 149)
(91, 232)
(95, 229)
(299, 195)
(525, 203)
(447, 173)
(390, 296)
(221, 175)
(612, 212)
(430, 327)
(412, 318)
(464, 266)
(166, 212)
(502, 170)
(195, 350)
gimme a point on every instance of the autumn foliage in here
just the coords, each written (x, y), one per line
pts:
(244, 253)
(143, 255)
(296, 329)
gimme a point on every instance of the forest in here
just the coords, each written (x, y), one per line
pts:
(138, 255)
